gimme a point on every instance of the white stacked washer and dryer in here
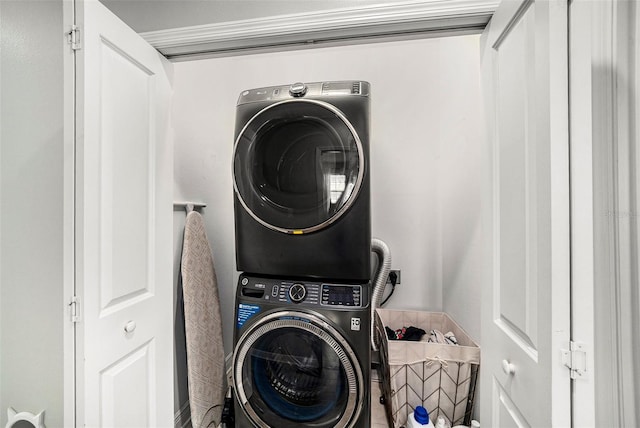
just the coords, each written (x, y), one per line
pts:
(303, 246)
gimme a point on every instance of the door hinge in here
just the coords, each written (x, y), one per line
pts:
(73, 38)
(74, 309)
(575, 358)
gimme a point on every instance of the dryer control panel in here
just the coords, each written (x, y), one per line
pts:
(305, 90)
(305, 293)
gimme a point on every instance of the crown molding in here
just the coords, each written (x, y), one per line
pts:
(367, 21)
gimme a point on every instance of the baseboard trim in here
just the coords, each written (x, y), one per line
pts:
(183, 417)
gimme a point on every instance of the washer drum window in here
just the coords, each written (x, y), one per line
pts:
(298, 166)
(293, 368)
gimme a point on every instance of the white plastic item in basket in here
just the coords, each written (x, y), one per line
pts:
(437, 376)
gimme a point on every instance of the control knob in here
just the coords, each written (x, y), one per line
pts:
(297, 293)
(298, 89)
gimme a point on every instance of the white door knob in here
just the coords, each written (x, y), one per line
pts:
(508, 368)
(130, 327)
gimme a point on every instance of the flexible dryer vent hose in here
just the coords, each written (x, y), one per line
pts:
(384, 267)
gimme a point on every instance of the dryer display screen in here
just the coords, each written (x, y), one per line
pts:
(339, 295)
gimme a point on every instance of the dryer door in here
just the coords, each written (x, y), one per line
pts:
(298, 166)
(293, 369)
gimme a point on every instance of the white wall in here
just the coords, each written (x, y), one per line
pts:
(426, 136)
(31, 198)
(460, 174)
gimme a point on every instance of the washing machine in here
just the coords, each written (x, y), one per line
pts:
(301, 181)
(301, 354)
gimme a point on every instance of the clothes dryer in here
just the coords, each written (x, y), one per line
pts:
(301, 354)
(301, 181)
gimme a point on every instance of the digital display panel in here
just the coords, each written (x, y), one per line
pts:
(339, 295)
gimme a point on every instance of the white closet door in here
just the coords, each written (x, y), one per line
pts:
(526, 311)
(123, 226)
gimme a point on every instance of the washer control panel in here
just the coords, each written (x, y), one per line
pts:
(303, 292)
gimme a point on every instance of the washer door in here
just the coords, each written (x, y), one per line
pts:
(293, 368)
(298, 166)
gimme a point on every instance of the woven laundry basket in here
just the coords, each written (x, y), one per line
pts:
(440, 377)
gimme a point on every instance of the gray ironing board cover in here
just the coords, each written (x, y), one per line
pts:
(203, 326)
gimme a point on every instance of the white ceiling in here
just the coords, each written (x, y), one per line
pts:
(152, 15)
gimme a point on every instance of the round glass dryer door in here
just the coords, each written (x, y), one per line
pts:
(292, 369)
(298, 166)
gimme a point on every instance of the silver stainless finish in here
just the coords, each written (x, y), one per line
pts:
(325, 89)
(298, 89)
(321, 328)
(354, 192)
